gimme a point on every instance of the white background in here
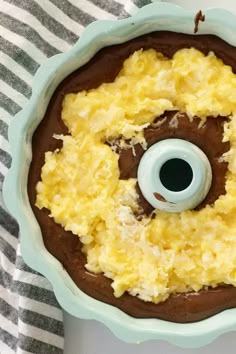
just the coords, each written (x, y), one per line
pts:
(91, 337)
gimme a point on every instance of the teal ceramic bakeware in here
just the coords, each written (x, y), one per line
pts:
(154, 17)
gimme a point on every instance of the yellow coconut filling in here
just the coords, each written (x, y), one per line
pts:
(149, 258)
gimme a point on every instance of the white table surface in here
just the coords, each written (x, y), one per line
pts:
(91, 337)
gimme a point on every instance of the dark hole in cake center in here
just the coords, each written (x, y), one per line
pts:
(176, 175)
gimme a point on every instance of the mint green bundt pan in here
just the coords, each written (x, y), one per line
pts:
(154, 17)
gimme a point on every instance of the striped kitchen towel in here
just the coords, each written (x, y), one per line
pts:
(30, 32)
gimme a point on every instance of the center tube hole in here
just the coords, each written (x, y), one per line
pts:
(176, 175)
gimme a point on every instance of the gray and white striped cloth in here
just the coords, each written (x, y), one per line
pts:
(30, 32)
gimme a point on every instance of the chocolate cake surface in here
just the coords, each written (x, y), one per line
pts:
(65, 246)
